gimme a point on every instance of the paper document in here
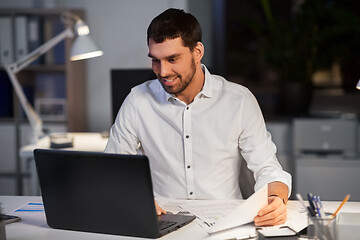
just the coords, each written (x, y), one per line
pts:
(244, 213)
(31, 213)
(210, 211)
(297, 218)
(31, 207)
(245, 231)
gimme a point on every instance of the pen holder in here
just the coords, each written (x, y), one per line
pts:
(322, 228)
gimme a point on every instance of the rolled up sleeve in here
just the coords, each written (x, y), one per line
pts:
(258, 149)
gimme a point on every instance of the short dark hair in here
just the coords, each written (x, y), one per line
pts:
(174, 23)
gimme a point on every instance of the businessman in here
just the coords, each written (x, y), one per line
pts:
(195, 127)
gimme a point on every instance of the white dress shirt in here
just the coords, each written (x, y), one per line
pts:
(195, 150)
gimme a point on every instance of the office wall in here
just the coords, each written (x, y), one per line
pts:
(119, 28)
(16, 3)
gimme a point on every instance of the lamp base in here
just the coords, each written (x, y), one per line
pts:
(61, 140)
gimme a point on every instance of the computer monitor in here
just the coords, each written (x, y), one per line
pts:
(122, 80)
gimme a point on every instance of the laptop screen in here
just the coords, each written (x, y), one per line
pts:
(98, 192)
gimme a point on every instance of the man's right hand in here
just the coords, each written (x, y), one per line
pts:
(159, 210)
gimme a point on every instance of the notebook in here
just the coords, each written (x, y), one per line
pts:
(102, 193)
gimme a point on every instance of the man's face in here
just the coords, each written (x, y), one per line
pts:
(173, 64)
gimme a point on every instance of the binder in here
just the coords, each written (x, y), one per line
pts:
(29, 94)
(35, 36)
(6, 47)
(48, 34)
(21, 37)
(56, 55)
(59, 49)
(6, 96)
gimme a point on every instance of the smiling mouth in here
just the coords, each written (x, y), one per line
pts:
(168, 82)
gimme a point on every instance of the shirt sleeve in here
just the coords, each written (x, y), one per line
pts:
(123, 136)
(257, 147)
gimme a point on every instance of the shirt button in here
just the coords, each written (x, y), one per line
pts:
(187, 136)
(187, 108)
(191, 193)
(188, 166)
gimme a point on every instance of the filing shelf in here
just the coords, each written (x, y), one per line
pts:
(73, 72)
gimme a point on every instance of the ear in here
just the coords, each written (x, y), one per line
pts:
(198, 51)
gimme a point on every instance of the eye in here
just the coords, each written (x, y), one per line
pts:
(172, 60)
(154, 60)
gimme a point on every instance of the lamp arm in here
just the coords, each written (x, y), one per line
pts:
(13, 68)
(33, 117)
(32, 56)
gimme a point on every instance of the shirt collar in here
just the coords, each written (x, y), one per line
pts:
(206, 91)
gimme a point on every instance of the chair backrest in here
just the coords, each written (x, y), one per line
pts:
(246, 180)
(122, 80)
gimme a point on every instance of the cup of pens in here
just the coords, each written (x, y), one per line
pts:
(321, 225)
(322, 228)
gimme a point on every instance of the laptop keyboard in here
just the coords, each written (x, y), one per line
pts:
(165, 224)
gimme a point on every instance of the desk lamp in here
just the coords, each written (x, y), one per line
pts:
(83, 47)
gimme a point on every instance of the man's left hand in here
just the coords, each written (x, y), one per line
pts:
(272, 214)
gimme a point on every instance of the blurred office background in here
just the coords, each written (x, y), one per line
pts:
(300, 58)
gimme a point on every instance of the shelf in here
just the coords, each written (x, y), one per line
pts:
(42, 68)
(52, 76)
(46, 68)
(36, 11)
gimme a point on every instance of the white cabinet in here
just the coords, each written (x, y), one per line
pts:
(7, 159)
(329, 177)
(8, 173)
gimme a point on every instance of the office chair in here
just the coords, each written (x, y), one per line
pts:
(246, 180)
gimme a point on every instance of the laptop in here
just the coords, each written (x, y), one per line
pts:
(101, 193)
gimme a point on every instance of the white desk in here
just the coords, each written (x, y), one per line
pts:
(36, 228)
(31, 227)
(81, 142)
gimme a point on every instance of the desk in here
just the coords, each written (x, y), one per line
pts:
(36, 228)
(82, 142)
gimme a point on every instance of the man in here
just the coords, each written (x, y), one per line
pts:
(195, 127)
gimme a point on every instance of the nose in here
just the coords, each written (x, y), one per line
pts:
(165, 69)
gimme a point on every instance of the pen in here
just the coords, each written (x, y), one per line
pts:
(317, 206)
(312, 204)
(322, 212)
(299, 197)
(308, 209)
(341, 205)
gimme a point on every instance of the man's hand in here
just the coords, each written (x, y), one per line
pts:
(159, 210)
(272, 214)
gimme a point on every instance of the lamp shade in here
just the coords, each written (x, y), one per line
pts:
(83, 48)
(358, 85)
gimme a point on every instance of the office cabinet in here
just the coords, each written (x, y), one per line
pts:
(332, 178)
(8, 155)
(326, 155)
(50, 82)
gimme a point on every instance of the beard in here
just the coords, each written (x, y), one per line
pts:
(184, 81)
